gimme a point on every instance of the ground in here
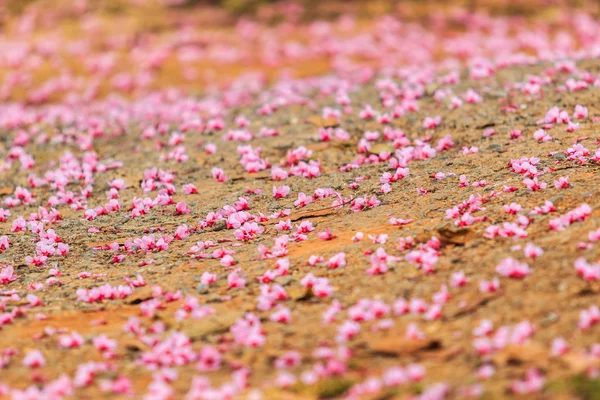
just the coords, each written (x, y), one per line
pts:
(139, 130)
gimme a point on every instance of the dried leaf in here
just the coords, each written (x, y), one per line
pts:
(579, 363)
(530, 353)
(322, 122)
(218, 323)
(139, 295)
(399, 345)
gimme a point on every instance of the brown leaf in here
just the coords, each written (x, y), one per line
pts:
(531, 353)
(322, 122)
(217, 323)
(579, 363)
(120, 241)
(275, 393)
(399, 345)
(306, 214)
(458, 236)
(139, 295)
(445, 354)
(299, 293)
(132, 344)
(473, 301)
(379, 147)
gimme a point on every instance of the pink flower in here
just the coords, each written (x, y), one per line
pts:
(248, 231)
(321, 288)
(533, 184)
(589, 317)
(485, 328)
(432, 123)
(562, 182)
(413, 332)
(284, 225)
(234, 280)
(577, 214)
(227, 261)
(118, 184)
(534, 382)
(358, 236)
(472, 97)
(379, 239)
(7, 274)
(247, 331)
(207, 278)
(415, 372)
(33, 300)
(326, 235)
(182, 232)
(314, 260)
(347, 331)
(512, 208)
(338, 260)
(218, 174)
(285, 379)
(280, 191)
(4, 243)
(70, 341)
(541, 136)
(489, 132)
(181, 208)
(303, 200)
(121, 385)
(533, 251)
(278, 174)
(367, 112)
(104, 344)
(19, 225)
(90, 215)
(210, 148)
(469, 150)
(589, 272)
(189, 188)
(486, 371)
(572, 126)
(377, 267)
(3, 214)
(34, 359)
(581, 112)
(512, 268)
(209, 359)
(489, 286)
(559, 346)
(458, 279)
(290, 359)
(552, 115)
(434, 312)
(594, 236)
(282, 315)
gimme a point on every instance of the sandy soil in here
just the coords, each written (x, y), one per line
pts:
(550, 298)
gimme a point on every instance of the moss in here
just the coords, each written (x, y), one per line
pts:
(417, 388)
(240, 7)
(579, 386)
(330, 388)
(17, 7)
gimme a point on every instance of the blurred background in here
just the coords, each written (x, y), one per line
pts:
(225, 11)
(87, 49)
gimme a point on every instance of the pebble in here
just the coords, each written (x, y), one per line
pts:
(202, 288)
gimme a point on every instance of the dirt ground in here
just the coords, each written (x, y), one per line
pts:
(550, 298)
